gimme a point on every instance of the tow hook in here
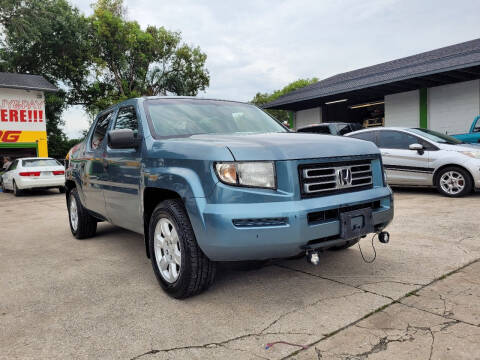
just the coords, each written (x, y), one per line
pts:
(384, 237)
(313, 257)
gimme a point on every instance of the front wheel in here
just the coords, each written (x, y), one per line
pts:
(82, 224)
(181, 268)
(454, 181)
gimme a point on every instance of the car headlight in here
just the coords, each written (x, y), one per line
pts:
(259, 174)
(472, 154)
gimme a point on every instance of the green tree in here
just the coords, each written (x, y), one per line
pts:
(264, 98)
(96, 61)
(131, 62)
(50, 38)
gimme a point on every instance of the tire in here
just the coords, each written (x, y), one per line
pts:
(82, 224)
(16, 190)
(186, 270)
(347, 245)
(454, 181)
(61, 189)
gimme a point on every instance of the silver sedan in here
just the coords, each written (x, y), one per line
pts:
(421, 157)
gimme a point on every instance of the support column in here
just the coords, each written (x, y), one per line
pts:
(423, 108)
(291, 115)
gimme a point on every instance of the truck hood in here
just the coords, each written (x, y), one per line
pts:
(288, 146)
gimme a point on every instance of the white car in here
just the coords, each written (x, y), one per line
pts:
(421, 157)
(33, 173)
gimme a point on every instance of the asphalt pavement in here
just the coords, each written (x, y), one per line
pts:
(62, 298)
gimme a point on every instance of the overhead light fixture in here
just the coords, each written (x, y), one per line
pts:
(336, 101)
(367, 104)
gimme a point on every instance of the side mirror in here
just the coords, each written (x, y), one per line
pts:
(417, 147)
(122, 139)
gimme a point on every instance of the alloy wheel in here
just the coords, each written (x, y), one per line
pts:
(452, 182)
(73, 213)
(167, 250)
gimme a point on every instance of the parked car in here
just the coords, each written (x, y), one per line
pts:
(330, 128)
(473, 136)
(421, 157)
(33, 173)
(209, 180)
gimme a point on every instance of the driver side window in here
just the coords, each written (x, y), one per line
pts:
(100, 130)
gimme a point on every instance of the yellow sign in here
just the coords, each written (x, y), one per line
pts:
(16, 138)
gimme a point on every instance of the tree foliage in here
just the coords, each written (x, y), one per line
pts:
(264, 98)
(97, 61)
(131, 62)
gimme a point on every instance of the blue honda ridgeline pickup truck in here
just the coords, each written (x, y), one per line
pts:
(210, 180)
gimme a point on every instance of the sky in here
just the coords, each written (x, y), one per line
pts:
(260, 46)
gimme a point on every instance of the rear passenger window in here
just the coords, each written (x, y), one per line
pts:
(368, 136)
(395, 140)
(100, 130)
(127, 119)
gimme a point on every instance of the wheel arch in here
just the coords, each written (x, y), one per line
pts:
(152, 196)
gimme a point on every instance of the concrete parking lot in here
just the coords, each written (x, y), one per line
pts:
(63, 298)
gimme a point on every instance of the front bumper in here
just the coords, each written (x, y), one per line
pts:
(221, 240)
(24, 183)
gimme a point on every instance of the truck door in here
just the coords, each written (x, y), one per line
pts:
(403, 166)
(93, 172)
(122, 194)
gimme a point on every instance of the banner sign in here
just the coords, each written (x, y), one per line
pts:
(21, 110)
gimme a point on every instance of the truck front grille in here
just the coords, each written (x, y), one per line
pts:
(335, 177)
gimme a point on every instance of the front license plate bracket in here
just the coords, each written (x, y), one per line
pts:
(357, 223)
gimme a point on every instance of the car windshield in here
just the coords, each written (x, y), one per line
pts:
(40, 162)
(184, 117)
(436, 136)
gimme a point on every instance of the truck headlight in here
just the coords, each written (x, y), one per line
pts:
(260, 174)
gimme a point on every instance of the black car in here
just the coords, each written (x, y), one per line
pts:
(331, 128)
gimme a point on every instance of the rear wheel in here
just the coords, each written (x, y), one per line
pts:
(82, 224)
(348, 244)
(61, 189)
(454, 181)
(181, 268)
(16, 190)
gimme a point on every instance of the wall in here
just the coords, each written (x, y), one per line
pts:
(452, 108)
(307, 117)
(22, 120)
(402, 109)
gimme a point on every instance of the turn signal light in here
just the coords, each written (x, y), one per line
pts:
(59, 172)
(30, 173)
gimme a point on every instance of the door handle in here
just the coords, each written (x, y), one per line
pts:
(385, 153)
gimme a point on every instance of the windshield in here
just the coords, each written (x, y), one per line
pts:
(436, 136)
(40, 162)
(183, 117)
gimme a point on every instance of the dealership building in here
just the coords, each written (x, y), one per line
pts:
(23, 130)
(438, 90)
